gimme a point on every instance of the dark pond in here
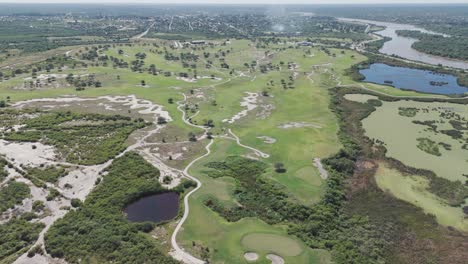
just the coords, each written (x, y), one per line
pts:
(413, 79)
(155, 208)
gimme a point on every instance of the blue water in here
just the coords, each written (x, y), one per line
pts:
(412, 79)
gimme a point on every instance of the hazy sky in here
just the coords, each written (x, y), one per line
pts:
(239, 1)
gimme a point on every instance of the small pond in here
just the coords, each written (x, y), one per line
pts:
(154, 208)
(413, 79)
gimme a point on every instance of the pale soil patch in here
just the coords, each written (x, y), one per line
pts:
(81, 180)
(319, 165)
(275, 259)
(360, 98)
(24, 154)
(46, 76)
(298, 125)
(265, 108)
(39, 259)
(164, 170)
(189, 80)
(267, 140)
(249, 102)
(251, 256)
(144, 107)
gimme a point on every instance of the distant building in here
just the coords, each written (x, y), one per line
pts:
(304, 43)
(197, 42)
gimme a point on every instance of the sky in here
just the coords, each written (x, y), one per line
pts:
(241, 1)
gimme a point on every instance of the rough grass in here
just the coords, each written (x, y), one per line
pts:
(271, 243)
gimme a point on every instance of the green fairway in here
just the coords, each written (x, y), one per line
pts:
(262, 242)
(206, 228)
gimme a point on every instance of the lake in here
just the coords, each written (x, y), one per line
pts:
(401, 46)
(154, 208)
(413, 79)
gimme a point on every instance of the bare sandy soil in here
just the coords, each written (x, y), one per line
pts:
(267, 140)
(80, 181)
(24, 154)
(251, 256)
(319, 165)
(249, 102)
(275, 259)
(298, 125)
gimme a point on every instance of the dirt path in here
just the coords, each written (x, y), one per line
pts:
(177, 252)
(256, 151)
(141, 35)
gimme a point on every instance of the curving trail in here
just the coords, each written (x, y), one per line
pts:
(256, 151)
(177, 252)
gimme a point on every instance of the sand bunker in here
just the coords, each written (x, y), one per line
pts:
(275, 259)
(249, 102)
(298, 125)
(267, 140)
(251, 256)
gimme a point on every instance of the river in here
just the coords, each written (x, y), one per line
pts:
(401, 46)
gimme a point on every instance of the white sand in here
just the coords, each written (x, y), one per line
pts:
(323, 172)
(299, 125)
(251, 256)
(267, 140)
(174, 174)
(24, 154)
(82, 180)
(144, 106)
(275, 259)
(249, 102)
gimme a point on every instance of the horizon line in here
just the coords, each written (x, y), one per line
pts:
(228, 3)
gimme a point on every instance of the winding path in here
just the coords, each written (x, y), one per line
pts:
(256, 151)
(177, 252)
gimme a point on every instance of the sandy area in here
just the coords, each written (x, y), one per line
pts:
(299, 125)
(164, 170)
(249, 102)
(275, 259)
(251, 256)
(143, 106)
(46, 76)
(267, 140)
(81, 180)
(319, 165)
(24, 154)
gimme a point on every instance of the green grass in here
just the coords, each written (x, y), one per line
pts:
(414, 189)
(207, 228)
(296, 147)
(271, 243)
